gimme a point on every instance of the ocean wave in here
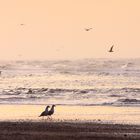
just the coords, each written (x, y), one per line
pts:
(36, 91)
(122, 96)
(128, 101)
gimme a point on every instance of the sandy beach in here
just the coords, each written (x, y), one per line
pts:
(67, 131)
(69, 122)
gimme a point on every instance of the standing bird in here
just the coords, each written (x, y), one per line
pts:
(51, 111)
(45, 113)
(88, 29)
(111, 49)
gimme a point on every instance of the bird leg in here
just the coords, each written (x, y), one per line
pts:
(42, 117)
(51, 117)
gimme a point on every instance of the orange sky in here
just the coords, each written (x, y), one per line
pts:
(54, 29)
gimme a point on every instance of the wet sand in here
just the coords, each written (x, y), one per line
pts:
(106, 114)
(67, 131)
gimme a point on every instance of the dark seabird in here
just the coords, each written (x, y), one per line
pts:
(51, 111)
(88, 29)
(111, 49)
(45, 113)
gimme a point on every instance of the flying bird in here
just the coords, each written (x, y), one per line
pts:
(22, 24)
(111, 49)
(45, 113)
(88, 29)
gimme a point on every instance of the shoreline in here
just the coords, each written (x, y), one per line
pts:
(20, 122)
(79, 114)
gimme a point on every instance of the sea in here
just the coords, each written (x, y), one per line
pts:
(86, 82)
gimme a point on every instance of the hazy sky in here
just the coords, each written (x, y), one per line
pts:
(54, 29)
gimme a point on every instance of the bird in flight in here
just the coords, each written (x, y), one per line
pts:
(111, 49)
(22, 24)
(88, 29)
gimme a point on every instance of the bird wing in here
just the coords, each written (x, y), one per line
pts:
(111, 49)
(50, 112)
(43, 113)
(87, 29)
